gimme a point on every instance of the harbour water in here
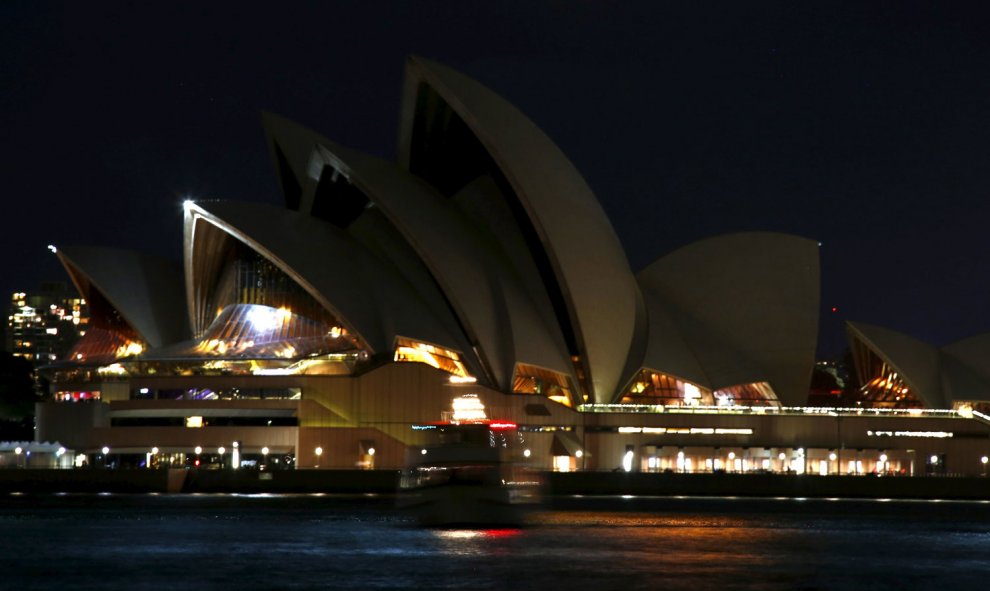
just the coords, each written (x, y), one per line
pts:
(360, 542)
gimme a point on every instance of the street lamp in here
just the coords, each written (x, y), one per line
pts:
(319, 452)
(221, 450)
(264, 454)
(106, 454)
(984, 461)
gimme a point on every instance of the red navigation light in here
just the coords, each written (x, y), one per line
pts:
(501, 425)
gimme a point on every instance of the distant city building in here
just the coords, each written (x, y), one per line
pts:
(42, 326)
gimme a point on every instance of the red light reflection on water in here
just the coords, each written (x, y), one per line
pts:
(501, 533)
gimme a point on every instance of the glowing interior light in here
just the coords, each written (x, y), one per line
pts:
(463, 379)
(468, 408)
(194, 422)
(627, 461)
(318, 451)
(371, 451)
(129, 349)
(262, 318)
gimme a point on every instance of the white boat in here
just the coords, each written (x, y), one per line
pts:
(472, 476)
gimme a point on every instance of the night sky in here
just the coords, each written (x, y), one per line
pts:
(865, 126)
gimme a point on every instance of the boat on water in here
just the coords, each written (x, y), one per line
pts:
(472, 474)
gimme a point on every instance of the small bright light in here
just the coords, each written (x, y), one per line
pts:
(221, 450)
(782, 456)
(105, 450)
(154, 450)
(18, 450)
(579, 454)
(527, 453)
(187, 204)
(832, 456)
(422, 452)
(199, 450)
(732, 455)
(236, 445)
(883, 458)
(264, 451)
(680, 455)
(144, 390)
(627, 461)
(371, 451)
(934, 459)
(61, 452)
(318, 451)
(984, 459)
(52, 248)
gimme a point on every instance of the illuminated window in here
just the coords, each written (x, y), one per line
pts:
(754, 394)
(653, 387)
(408, 350)
(882, 386)
(529, 379)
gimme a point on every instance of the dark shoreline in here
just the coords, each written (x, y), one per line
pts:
(557, 484)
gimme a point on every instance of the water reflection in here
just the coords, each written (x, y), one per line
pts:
(310, 542)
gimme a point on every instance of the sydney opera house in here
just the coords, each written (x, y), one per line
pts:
(333, 331)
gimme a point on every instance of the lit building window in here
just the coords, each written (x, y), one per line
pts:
(653, 387)
(529, 379)
(408, 350)
(754, 394)
(882, 386)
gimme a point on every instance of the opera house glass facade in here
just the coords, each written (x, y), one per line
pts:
(323, 332)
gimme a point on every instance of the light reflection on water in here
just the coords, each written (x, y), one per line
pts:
(310, 542)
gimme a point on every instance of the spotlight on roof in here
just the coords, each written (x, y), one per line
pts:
(52, 248)
(187, 204)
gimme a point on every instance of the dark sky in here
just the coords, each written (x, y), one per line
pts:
(863, 125)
